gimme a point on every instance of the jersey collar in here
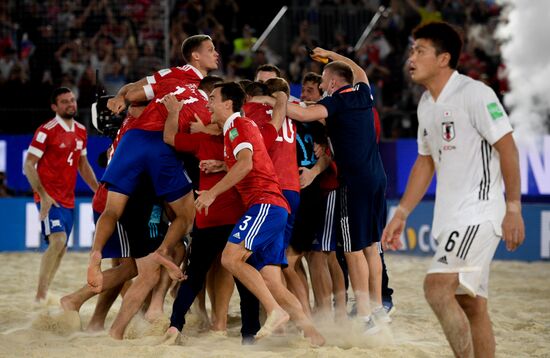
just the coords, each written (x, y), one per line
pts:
(203, 94)
(229, 121)
(447, 89)
(343, 89)
(64, 125)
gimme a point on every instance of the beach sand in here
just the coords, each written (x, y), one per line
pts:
(519, 306)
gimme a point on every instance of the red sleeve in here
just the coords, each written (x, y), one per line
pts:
(39, 142)
(239, 137)
(269, 133)
(376, 123)
(185, 142)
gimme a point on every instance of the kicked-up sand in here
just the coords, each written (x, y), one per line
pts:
(519, 305)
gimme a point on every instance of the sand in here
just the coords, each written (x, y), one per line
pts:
(519, 307)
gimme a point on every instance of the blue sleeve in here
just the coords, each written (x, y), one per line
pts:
(330, 104)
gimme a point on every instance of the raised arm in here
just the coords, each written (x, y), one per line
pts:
(359, 74)
(295, 111)
(118, 103)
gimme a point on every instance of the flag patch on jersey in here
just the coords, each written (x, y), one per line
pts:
(448, 129)
(495, 111)
(234, 133)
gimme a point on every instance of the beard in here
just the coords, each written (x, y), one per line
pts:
(67, 114)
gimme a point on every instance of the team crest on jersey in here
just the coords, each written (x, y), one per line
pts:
(448, 131)
(79, 145)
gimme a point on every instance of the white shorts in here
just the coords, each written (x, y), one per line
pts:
(467, 251)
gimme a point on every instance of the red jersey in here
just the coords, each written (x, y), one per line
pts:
(228, 208)
(283, 150)
(194, 103)
(260, 185)
(59, 147)
(188, 74)
(154, 115)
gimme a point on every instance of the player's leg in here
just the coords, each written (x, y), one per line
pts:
(50, 262)
(293, 281)
(223, 287)
(439, 290)
(480, 324)
(272, 277)
(375, 274)
(106, 224)
(321, 283)
(148, 276)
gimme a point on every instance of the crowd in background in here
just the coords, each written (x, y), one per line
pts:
(50, 43)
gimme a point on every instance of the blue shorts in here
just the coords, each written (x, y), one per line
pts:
(140, 152)
(325, 238)
(262, 229)
(118, 245)
(59, 219)
(293, 199)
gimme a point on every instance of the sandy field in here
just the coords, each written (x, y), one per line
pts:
(519, 306)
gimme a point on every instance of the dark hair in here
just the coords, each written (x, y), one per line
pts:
(256, 89)
(277, 84)
(444, 37)
(243, 83)
(58, 92)
(268, 68)
(341, 70)
(232, 91)
(191, 44)
(312, 77)
(208, 82)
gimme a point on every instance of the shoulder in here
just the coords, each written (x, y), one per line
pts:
(48, 126)
(80, 126)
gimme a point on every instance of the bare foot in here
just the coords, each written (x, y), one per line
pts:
(173, 270)
(171, 337)
(315, 338)
(94, 274)
(68, 303)
(116, 335)
(95, 326)
(275, 319)
(152, 315)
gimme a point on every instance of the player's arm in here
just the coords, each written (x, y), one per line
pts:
(87, 173)
(242, 167)
(171, 125)
(279, 109)
(359, 74)
(118, 103)
(198, 127)
(308, 175)
(419, 180)
(295, 111)
(513, 228)
(46, 201)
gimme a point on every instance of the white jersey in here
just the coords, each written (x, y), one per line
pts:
(458, 131)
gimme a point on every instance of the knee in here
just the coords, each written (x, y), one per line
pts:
(57, 242)
(434, 292)
(473, 307)
(228, 260)
(129, 269)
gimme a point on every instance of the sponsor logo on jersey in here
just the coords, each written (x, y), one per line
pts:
(495, 111)
(234, 133)
(425, 132)
(448, 130)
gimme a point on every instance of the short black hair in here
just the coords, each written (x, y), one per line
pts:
(208, 82)
(191, 44)
(256, 89)
(444, 37)
(277, 84)
(232, 91)
(341, 70)
(58, 92)
(243, 83)
(268, 68)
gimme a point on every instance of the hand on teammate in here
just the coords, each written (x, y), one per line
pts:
(116, 104)
(171, 103)
(306, 177)
(197, 126)
(204, 200)
(210, 166)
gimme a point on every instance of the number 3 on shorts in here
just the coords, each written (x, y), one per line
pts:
(244, 225)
